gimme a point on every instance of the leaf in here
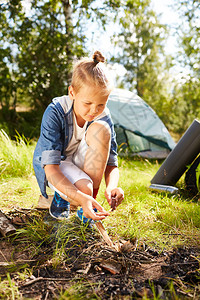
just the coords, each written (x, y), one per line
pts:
(112, 266)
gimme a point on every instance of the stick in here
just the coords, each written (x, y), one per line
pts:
(43, 278)
(104, 234)
(18, 262)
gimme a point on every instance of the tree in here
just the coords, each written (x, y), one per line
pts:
(47, 42)
(7, 71)
(140, 44)
(186, 94)
(189, 35)
(46, 50)
(184, 105)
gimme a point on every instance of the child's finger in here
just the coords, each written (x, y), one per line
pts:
(100, 208)
(101, 214)
(98, 216)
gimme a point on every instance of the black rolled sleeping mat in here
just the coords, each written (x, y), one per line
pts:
(180, 158)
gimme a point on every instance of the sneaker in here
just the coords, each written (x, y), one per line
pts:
(59, 207)
(83, 219)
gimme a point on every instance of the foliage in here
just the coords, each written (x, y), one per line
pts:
(42, 47)
(26, 122)
(39, 46)
(6, 59)
(186, 95)
(184, 105)
(190, 38)
(141, 51)
(46, 41)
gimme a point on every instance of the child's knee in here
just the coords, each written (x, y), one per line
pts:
(85, 186)
(98, 132)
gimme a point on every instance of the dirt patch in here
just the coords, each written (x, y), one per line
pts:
(91, 269)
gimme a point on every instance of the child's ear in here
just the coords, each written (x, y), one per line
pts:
(71, 92)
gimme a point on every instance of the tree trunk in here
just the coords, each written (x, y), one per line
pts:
(67, 9)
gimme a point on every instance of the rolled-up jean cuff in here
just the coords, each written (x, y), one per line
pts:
(112, 161)
(51, 157)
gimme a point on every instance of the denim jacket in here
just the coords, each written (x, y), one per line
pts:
(55, 135)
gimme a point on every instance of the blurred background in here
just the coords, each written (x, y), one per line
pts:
(151, 47)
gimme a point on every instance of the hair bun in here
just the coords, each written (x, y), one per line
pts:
(98, 57)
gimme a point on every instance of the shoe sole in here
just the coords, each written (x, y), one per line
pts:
(57, 218)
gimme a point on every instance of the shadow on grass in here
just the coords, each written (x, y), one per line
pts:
(188, 195)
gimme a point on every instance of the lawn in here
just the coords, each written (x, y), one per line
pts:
(155, 231)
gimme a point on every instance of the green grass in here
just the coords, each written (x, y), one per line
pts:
(159, 220)
(79, 291)
(8, 289)
(18, 185)
(15, 156)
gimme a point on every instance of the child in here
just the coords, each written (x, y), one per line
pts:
(77, 145)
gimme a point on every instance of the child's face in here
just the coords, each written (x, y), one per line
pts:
(89, 102)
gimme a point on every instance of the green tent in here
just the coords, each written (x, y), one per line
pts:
(138, 129)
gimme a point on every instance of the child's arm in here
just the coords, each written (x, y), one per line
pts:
(75, 196)
(112, 189)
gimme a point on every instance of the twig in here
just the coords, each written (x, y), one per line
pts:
(104, 234)
(186, 263)
(173, 234)
(83, 252)
(4, 264)
(147, 262)
(24, 210)
(18, 262)
(47, 294)
(145, 256)
(185, 293)
(3, 255)
(43, 279)
(155, 265)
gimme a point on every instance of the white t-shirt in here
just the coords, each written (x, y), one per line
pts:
(78, 133)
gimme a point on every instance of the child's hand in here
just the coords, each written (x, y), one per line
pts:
(88, 210)
(114, 197)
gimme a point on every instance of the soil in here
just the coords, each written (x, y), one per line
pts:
(93, 270)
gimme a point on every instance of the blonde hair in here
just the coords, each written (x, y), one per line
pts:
(92, 72)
